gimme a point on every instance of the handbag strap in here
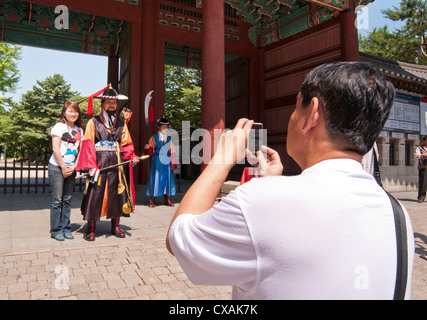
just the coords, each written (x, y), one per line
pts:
(402, 249)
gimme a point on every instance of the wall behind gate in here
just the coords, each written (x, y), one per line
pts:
(285, 66)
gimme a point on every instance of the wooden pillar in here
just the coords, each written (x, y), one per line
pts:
(213, 71)
(349, 35)
(149, 15)
(135, 84)
(260, 74)
(135, 127)
(159, 82)
(256, 76)
(113, 71)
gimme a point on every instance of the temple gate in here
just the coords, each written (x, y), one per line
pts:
(253, 54)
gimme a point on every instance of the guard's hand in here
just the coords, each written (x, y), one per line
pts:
(135, 160)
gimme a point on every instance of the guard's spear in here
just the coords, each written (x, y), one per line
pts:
(112, 166)
(147, 120)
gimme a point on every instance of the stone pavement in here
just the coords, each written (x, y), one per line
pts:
(418, 213)
(33, 266)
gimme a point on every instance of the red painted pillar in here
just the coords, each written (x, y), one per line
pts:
(260, 74)
(136, 129)
(213, 71)
(149, 17)
(349, 35)
(159, 82)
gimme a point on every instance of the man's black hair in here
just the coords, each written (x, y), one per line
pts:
(355, 99)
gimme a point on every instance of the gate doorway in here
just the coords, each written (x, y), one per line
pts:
(180, 61)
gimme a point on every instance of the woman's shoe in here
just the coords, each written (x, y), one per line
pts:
(68, 235)
(59, 237)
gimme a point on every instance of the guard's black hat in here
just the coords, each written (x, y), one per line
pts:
(111, 94)
(162, 121)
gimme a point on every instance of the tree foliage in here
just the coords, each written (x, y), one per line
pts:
(183, 96)
(404, 44)
(31, 119)
(9, 73)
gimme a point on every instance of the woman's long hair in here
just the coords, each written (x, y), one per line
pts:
(75, 107)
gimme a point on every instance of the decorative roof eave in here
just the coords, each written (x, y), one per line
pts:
(407, 76)
(404, 70)
(327, 5)
(270, 18)
(85, 33)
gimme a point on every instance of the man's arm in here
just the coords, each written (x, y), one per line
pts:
(202, 194)
(230, 150)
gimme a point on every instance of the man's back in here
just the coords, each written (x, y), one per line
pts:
(325, 234)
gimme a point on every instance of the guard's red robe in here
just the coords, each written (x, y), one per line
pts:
(98, 150)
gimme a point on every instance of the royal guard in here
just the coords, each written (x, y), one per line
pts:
(106, 142)
(161, 181)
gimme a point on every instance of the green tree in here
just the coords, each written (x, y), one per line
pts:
(405, 44)
(9, 73)
(96, 103)
(39, 109)
(397, 46)
(183, 96)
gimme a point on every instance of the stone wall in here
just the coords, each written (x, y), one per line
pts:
(398, 166)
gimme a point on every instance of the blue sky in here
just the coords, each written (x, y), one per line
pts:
(88, 73)
(377, 19)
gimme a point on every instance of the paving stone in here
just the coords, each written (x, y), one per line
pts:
(136, 267)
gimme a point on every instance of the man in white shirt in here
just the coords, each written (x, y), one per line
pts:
(327, 233)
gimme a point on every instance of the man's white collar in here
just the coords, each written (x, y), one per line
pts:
(107, 119)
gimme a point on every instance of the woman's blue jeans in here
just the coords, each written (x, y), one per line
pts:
(61, 191)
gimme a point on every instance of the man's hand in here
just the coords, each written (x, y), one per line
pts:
(135, 160)
(201, 196)
(92, 171)
(231, 147)
(271, 167)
